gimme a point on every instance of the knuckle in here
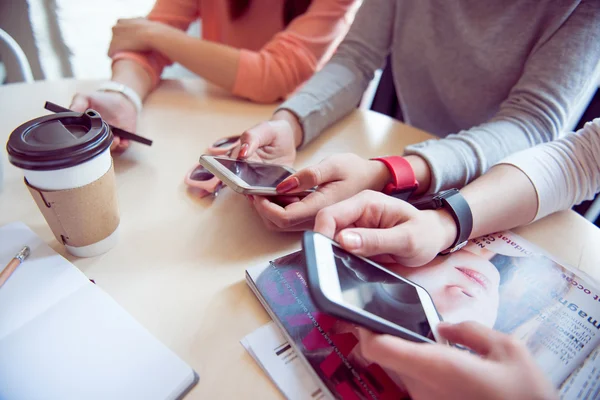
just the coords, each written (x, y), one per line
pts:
(246, 136)
(411, 246)
(372, 242)
(513, 346)
(314, 176)
(323, 214)
(286, 221)
(370, 194)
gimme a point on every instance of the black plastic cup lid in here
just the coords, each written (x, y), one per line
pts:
(58, 141)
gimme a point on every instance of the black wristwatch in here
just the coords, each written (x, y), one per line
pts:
(458, 207)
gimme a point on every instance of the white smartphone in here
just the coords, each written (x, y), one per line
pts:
(362, 292)
(248, 177)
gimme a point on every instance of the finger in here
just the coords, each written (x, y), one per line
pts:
(123, 145)
(256, 203)
(345, 213)
(284, 201)
(80, 103)
(115, 143)
(281, 217)
(270, 211)
(324, 172)
(254, 138)
(305, 210)
(368, 242)
(420, 361)
(479, 338)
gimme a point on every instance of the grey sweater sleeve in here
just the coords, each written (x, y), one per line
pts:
(337, 89)
(564, 172)
(537, 107)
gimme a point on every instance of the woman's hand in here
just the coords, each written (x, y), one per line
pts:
(272, 141)
(337, 178)
(502, 368)
(374, 224)
(114, 108)
(133, 34)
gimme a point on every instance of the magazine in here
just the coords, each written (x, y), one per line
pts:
(280, 361)
(499, 280)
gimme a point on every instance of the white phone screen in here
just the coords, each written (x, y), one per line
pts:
(378, 292)
(256, 174)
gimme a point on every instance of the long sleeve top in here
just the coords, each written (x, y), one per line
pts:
(564, 172)
(274, 59)
(491, 77)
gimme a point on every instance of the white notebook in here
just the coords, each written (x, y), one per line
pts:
(62, 337)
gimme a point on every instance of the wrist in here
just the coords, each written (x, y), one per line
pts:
(125, 91)
(153, 33)
(447, 227)
(292, 120)
(401, 182)
(380, 174)
(133, 75)
(450, 203)
(422, 172)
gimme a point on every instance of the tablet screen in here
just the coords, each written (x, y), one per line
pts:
(381, 293)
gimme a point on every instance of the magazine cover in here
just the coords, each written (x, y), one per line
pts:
(499, 280)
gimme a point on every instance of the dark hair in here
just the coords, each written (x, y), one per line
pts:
(291, 9)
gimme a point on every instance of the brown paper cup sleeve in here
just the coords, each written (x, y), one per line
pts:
(81, 216)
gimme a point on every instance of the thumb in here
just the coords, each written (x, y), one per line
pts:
(310, 177)
(477, 337)
(254, 138)
(80, 103)
(369, 242)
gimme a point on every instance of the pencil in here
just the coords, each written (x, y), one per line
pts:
(13, 264)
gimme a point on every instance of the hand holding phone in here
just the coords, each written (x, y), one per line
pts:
(248, 177)
(362, 292)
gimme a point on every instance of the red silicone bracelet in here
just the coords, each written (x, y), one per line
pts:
(403, 176)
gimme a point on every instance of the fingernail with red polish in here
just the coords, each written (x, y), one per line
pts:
(287, 185)
(243, 151)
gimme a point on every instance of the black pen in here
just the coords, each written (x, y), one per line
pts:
(123, 134)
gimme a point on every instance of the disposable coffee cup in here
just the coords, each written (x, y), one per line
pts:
(68, 170)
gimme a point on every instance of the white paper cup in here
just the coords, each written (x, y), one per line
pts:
(69, 165)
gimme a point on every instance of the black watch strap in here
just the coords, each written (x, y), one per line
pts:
(458, 208)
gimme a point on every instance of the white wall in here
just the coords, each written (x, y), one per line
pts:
(14, 19)
(70, 38)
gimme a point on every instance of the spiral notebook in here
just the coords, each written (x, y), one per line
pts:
(62, 337)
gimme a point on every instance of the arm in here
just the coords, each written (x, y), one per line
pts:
(526, 186)
(536, 182)
(290, 58)
(293, 55)
(141, 70)
(535, 111)
(336, 90)
(563, 173)
(212, 61)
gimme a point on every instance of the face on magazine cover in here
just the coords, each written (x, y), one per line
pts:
(463, 286)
